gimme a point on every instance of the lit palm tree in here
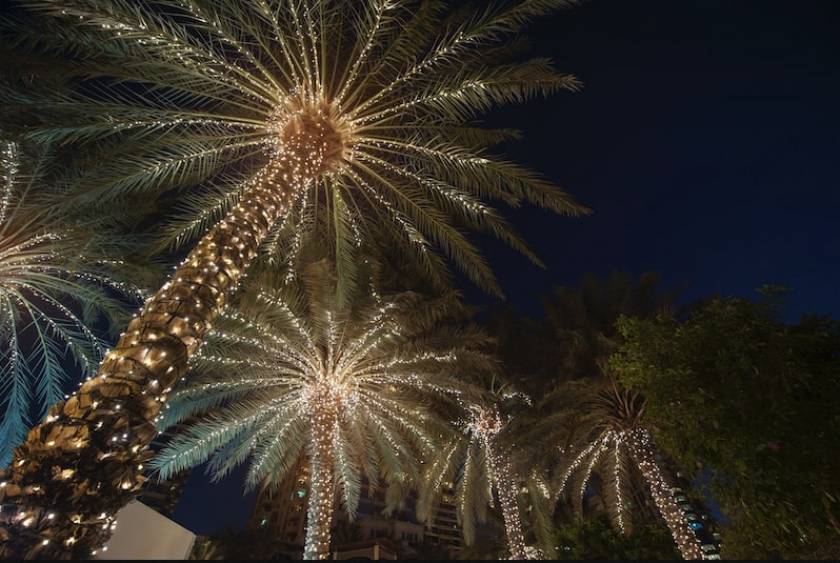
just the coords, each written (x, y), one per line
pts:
(51, 296)
(616, 443)
(535, 431)
(476, 464)
(354, 118)
(291, 372)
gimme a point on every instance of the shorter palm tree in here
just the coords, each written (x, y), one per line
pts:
(477, 464)
(616, 443)
(293, 371)
(51, 296)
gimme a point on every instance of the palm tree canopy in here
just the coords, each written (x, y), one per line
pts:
(383, 359)
(162, 96)
(462, 466)
(598, 441)
(53, 292)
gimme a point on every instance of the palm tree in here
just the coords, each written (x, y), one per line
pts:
(292, 372)
(617, 442)
(568, 352)
(477, 464)
(536, 431)
(583, 319)
(51, 297)
(355, 116)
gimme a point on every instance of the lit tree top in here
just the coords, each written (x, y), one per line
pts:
(290, 353)
(369, 108)
(616, 442)
(476, 464)
(355, 120)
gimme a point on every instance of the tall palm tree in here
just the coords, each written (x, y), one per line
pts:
(617, 442)
(361, 113)
(52, 296)
(477, 463)
(292, 372)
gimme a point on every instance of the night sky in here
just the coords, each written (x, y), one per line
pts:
(706, 142)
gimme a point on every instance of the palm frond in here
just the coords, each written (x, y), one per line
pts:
(52, 295)
(253, 392)
(160, 100)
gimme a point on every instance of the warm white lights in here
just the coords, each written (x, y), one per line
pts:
(288, 108)
(298, 373)
(485, 425)
(636, 445)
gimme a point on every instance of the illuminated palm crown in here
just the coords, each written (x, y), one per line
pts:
(610, 420)
(50, 297)
(370, 107)
(467, 466)
(290, 350)
(618, 445)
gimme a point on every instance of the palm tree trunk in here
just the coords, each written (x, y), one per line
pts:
(645, 456)
(79, 467)
(506, 489)
(322, 482)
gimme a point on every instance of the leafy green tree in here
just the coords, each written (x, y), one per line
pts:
(347, 121)
(749, 405)
(597, 539)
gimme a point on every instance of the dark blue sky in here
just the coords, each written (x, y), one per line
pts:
(706, 142)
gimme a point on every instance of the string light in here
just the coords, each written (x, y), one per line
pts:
(485, 425)
(641, 450)
(300, 111)
(339, 373)
(661, 489)
(9, 167)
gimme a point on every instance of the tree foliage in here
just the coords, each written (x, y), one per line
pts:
(469, 461)
(596, 539)
(179, 101)
(749, 405)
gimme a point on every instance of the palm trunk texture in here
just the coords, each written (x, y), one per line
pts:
(322, 486)
(645, 455)
(77, 469)
(506, 489)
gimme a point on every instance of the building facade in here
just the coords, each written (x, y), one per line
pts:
(281, 511)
